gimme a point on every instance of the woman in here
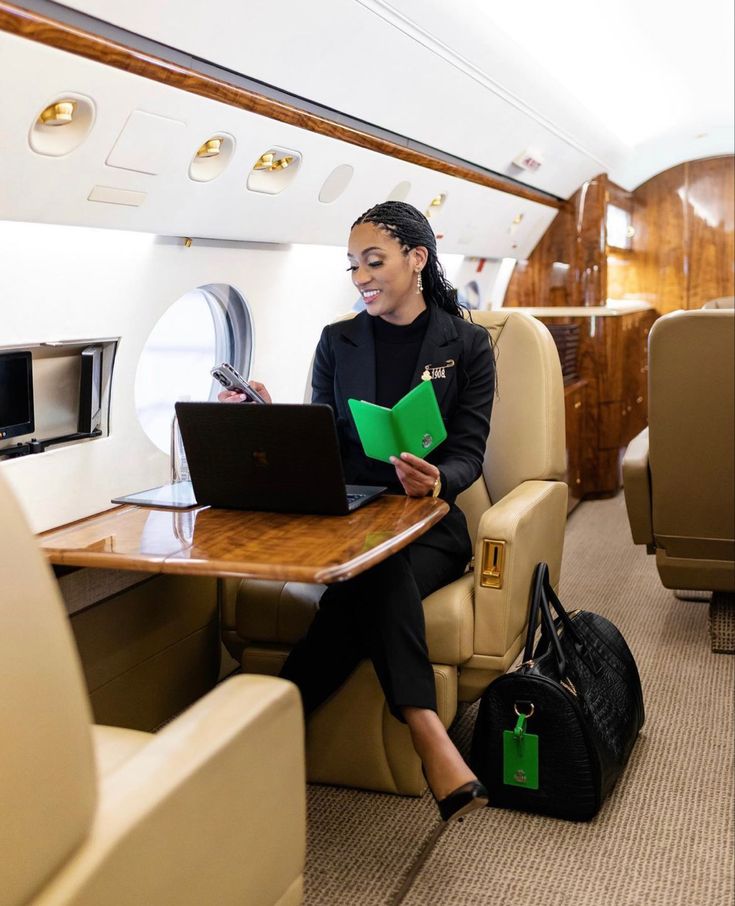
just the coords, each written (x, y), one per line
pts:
(411, 329)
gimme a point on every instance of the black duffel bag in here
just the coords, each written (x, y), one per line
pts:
(553, 736)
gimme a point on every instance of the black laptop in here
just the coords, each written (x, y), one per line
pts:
(281, 458)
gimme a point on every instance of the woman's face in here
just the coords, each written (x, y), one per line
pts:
(384, 275)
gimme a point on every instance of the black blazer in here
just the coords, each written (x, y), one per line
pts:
(460, 360)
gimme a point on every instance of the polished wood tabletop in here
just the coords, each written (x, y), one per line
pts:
(205, 541)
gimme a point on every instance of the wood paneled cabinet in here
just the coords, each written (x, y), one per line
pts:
(613, 368)
(574, 416)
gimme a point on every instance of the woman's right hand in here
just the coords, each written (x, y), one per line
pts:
(232, 396)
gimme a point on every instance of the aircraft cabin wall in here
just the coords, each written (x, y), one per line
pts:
(75, 269)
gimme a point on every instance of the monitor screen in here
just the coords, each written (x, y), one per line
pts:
(16, 394)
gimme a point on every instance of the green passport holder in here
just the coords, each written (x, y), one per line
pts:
(413, 425)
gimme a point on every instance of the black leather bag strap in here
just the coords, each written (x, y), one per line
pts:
(537, 590)
(566, 621)
(548, 628)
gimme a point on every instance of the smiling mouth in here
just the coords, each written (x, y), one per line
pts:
(369, 294)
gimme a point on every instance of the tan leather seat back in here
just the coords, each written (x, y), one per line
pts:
(47, 779)
(527, 435)
(692, 434)
(720, 302)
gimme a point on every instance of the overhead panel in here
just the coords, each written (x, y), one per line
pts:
(406, 66)
(145, 143)
(267, 189)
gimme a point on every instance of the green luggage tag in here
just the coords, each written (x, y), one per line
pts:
(520, 756)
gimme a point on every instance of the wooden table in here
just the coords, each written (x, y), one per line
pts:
(204, 541)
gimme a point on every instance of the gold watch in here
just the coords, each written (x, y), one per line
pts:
(436, 490)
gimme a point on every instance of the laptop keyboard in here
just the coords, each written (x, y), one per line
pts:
(353, 497)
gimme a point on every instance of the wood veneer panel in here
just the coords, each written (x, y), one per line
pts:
(660, 241)
(35, 27)
(589, 286)
(711, 211)
(214, 542)
(568, 265)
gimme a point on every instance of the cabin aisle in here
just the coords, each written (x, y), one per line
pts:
(664, 837)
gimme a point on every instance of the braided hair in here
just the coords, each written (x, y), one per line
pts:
(410, 228)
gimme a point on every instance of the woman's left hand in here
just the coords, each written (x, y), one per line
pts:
(417, 476)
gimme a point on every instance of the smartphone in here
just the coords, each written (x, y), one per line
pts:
(233, 380)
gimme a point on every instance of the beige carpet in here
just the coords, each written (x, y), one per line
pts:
(665, 837)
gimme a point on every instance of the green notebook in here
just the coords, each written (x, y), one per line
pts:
(413, 425)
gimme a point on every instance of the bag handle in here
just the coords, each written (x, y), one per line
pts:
(548, 629)
(539, 611)
(579, 643)
(533, 611)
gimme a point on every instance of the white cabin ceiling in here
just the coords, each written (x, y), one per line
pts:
(629, 89)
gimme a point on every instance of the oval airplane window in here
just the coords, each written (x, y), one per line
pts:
(206, 326)
(336, 183)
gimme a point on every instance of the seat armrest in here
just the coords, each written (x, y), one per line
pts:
(637, 489)
(531, 521)
(212, 810)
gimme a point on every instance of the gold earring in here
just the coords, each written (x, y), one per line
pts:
(419, 283)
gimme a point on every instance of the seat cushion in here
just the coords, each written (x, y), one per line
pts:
(113, 746)
(275, 612)
(279, 614)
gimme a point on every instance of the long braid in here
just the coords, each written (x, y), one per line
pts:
(410, 228)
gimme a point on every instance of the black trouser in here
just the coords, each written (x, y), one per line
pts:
(379, 615)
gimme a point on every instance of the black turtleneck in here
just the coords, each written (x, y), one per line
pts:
(396, 351)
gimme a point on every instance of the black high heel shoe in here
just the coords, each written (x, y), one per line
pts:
(466, 798)
(463, 800)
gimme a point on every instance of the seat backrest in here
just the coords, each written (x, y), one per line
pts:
(692, 434)
(47, 774)
(527, 435)
(721, 302)
(527, 439)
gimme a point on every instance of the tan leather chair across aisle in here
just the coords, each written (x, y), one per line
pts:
(516, 513)
(721, 302)
(679, 473)
(209, 810)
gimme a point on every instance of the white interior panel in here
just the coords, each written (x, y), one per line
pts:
(474, 221)
(405, 66)
(61, 283)
(145, 143)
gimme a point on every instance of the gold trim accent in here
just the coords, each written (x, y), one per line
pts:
(59, 114)
(211, 148)
(270, 162)
(493, 560)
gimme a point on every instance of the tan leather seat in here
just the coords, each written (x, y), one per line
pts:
(721, 302)
(209, 810)
(679, 473)
(474, 632)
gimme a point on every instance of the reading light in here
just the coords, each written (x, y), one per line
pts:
(436, 202)
(59, 114)
(210, 148)
(269, 161)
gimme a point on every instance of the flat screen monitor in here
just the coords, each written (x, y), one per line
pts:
(90, 390)
(16, 394)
